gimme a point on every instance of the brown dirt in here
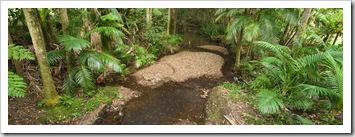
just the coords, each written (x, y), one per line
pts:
(215, 48)
(181, 67)
(22, 111)
(219, 106)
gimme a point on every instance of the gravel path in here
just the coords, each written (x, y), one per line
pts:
(183, 66)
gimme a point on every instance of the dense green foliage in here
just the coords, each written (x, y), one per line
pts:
(286, 73)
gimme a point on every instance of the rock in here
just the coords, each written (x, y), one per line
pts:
(91, 117)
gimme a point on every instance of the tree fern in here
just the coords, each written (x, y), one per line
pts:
(17, 87)
(55, 56)
(269, 103)
(72, 43)
(18, 52)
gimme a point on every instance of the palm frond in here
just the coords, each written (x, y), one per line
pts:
(252, 31)
(84, 78)
(279, 52)
(115, 12)
(309, 60)
(18, 52)
(112, 62)
(17, 87)
(72, 43)
(93, 60)
(112, 32)
(313, 90)
(269, 103)
(55, 56)
(69, 84)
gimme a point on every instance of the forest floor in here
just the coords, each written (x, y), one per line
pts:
(186, 67)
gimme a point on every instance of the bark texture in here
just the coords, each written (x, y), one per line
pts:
(50, 93)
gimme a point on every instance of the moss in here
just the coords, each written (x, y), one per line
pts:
(104, 95)
(64, 112)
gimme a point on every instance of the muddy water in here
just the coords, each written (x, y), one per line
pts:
(171, 103)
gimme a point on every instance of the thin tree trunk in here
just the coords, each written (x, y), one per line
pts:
(84, 28)
(95, 38)
(63, 17)
(282, 40)
(239, 44)
(336, 37)
(303, 24)
(18, 66)
(326, 38)
(168, 24)
(50, 93)
(174, 19)
(149, 18)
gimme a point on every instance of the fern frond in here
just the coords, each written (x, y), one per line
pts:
(269, 103)
(72, 43)
(18, 52)
(112, 62)
(17, 87)
(55, 56)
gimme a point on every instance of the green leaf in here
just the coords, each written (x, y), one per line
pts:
(72, 43)
(17, 87)
(19, 52)
(304, 121)
(55, 56)
(112, 62)
(269, 103)
(84, 78)
(93, 60)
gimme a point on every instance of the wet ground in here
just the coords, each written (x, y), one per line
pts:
(171, 102)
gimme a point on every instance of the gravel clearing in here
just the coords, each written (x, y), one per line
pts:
(181, 67)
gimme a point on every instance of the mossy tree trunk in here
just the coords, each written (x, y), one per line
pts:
(239, 44)
(149, 12)
(50, 93)
(18, 66)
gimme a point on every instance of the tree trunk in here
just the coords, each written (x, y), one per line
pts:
(239, 43)
(149, 18)
(174, 19)
(336, 37)
(18, 66)
(326, 38)
(303, 24)
(95, 38)
(84, 28)
(50, 93)
(63, 17)
(168, 24)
